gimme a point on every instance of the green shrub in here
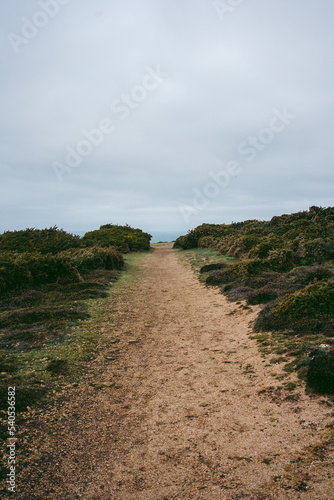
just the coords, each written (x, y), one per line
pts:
(239, 270)
(312, 301)
(268, 278)
(213, 267)
(250, 267)
(267, 321)
(262, 249)
(221, 277)
(33, 269)
(86, 259)
(192, 238)
(319, 250)
(320, 374)
(124, 238)
(302, 276)
(179, 242)
(52, 240)
(282, 259)
(205, 242)
(262, 295)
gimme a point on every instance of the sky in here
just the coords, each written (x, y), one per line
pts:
(164, 114)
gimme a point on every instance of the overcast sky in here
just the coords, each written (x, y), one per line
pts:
(164, 113)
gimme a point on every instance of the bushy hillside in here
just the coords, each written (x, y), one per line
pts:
(302, 238)
(47, 277)
(286, 264)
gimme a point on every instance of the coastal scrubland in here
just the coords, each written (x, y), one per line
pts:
(286, 265)
(50, 282)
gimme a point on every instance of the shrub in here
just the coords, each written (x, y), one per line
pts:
(262, 249)
(299, 299)
(250, 267)
(281, 260)
(239, 270)
(318, 250)
(237, 292)
(52, 240)
(192, 238)
(213, 267)
(221, 277)
(207, 242)
(85, 259)
(31, 269)
(320, 374)
(179, 242)
(124, 238)
(263, 279)
(311, 301)
(19, 270)
(302, 276)
(188, 241)
(262, 295)
(267, 321)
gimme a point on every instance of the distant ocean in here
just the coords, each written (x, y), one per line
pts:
(164, 236)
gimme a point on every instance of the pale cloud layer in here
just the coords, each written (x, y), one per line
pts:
(125, 111)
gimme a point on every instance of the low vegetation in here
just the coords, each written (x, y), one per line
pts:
(124, 238)
(47, 278)
(286, 265)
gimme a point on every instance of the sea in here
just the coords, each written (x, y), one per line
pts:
(158, 236)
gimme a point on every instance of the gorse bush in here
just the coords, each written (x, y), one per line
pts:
(285, 263)
(52, 240)
(85, 259)
(302, 276)
(33, 269)
(310, 302)
(33, 257)
(303, 238)
(191, 240)
(124, 238)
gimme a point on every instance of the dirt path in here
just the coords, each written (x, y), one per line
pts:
(178, 414)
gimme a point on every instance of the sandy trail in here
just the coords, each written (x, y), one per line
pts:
(184, 418)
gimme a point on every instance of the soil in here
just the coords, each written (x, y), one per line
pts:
(180, 405)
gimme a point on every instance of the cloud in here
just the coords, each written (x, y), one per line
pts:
(225, 77)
